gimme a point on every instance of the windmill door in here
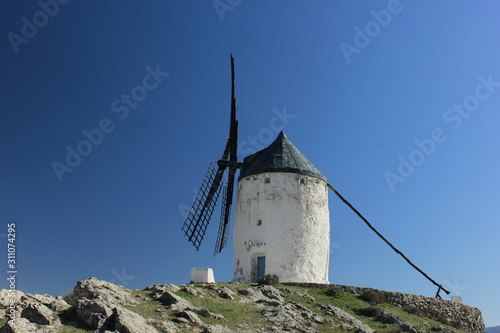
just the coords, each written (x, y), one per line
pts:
(261, 267)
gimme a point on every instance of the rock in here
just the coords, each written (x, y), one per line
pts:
(175, 302)
(209, 286)
(190, 316)
(302, 294)
(352, 321)
(44, 299)
(226, 293)
(291, 315)
(215, 329)
(310, 299)
(38, 314)
(181, 320)
(271, 293)
(263, 293)
(169, 327)
(205, 313)
(190, 290)
(7, 295)
(59, 305)
(23, 325)
(161, 288)
(96, 289)
(403, 325)
(126, 321)
(171, 287)
(54, 303)
(93, 313)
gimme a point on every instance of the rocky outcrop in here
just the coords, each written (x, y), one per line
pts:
(262, 294)
(123, 320)
(288, 316)
(459, 315)
(184, 309)
(159, 289)
(349, 322)
(38, 314)
(292, 316)
(175, 302)
(107, 308)
(54, 303)
(23, 325)
(215, 329)
(226, 293)
(189, 317)
(6, 297)
(59, 304)
(92, 313)
(94, 304)
(107, 292)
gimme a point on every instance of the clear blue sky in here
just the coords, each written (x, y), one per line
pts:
(361, 94)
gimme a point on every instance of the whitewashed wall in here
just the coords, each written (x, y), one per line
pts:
(295, 232)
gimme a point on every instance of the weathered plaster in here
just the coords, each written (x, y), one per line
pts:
(294, 232)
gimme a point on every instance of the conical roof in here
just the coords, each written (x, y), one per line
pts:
(280, 156)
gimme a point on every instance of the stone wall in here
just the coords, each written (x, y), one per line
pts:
(462, 316)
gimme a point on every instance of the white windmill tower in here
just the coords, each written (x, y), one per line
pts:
(282, 223)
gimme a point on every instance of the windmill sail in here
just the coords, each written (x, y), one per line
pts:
(232, 147)
(199, 217)
(225, 215)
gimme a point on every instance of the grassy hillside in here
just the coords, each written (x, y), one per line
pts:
(238, 312)
(243, 316)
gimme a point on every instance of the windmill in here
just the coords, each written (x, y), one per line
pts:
(203, 207)
(294, 237)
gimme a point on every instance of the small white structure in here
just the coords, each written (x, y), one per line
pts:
(282, 223)
(456, 299)
(202, 275)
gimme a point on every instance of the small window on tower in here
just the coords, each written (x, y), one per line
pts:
(267, 180)
(259, 222)
(302, 181)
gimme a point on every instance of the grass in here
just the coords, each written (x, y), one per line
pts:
(238, 315)
(148, 308)
(321, 296)
(356, 305)
(71, 329)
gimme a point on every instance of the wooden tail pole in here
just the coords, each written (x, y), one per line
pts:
(440, 287)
